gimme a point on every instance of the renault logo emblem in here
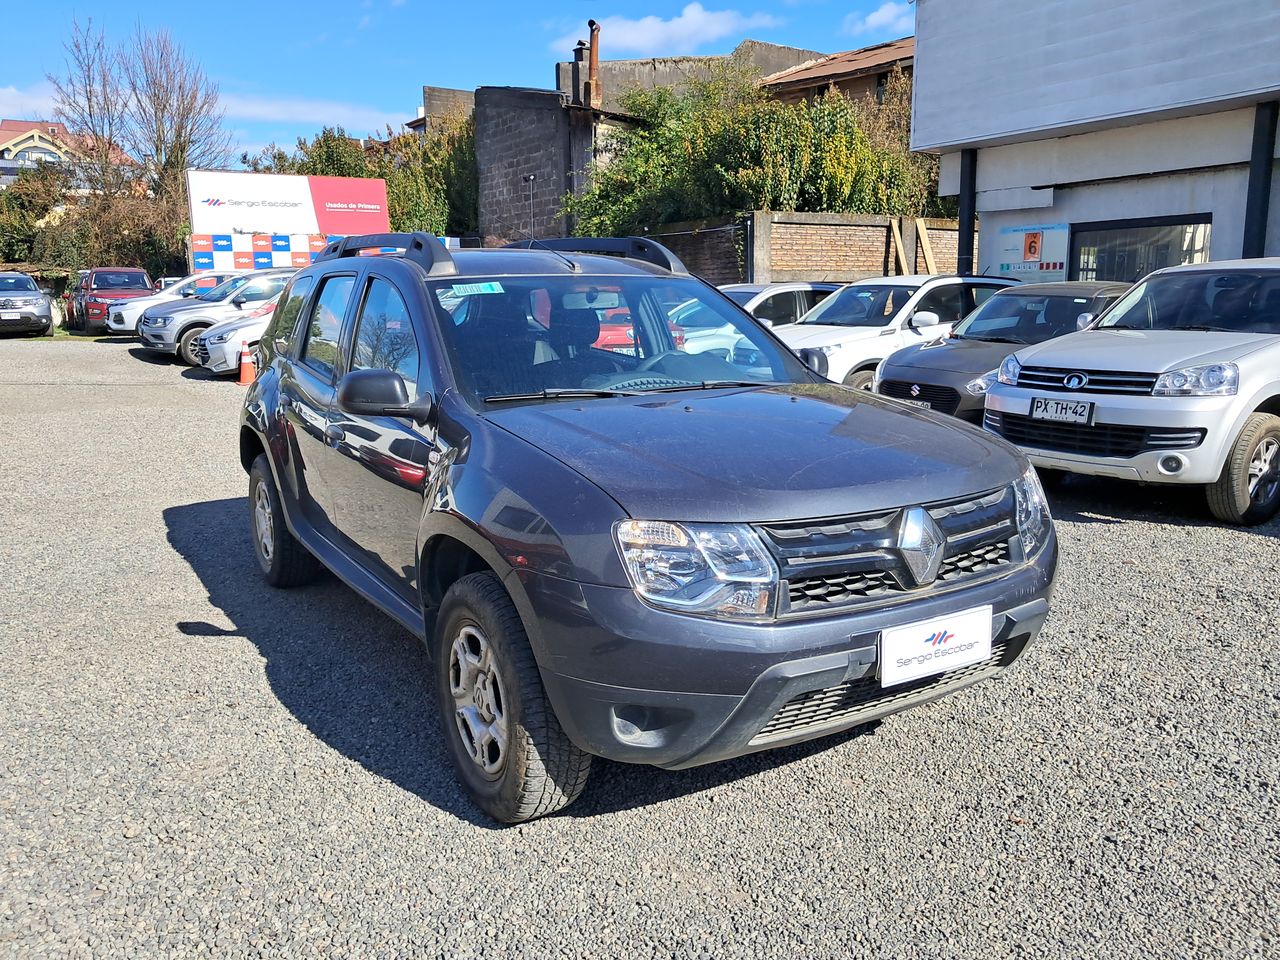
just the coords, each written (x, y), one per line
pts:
(1075, 381)
(921, 544)
(915, 389)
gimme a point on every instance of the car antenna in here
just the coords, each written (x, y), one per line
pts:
(531, 239)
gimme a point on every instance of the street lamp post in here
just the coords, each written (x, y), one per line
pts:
(529, 178)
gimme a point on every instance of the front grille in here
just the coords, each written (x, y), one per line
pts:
(844, 704)
(1091, 439)
(202, 352)
(832, 563)
(1099, 381)
(943, 399)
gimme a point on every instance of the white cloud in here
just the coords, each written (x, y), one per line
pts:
(31, 103)
(888, 19)
(684, 33)
(357, 119)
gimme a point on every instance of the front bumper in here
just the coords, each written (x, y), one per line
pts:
(161, 338)
(122, 321)
(219, 357)
(1199, 464)
(635, 684)
(24, 320)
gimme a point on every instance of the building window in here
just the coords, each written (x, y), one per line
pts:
(1127, 250)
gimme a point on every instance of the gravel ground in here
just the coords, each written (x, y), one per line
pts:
(192, 764)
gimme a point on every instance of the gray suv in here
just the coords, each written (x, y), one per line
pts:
(659, 557)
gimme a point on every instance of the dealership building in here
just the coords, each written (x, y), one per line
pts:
(1091, 139)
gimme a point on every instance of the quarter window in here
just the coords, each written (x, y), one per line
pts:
(324, 325)
(384, 335)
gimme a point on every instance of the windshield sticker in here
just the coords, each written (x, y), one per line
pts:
(471, 289)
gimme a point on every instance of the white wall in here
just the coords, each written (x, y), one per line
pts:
(989, 71)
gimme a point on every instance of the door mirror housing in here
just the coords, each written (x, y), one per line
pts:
(765, 322)
(815, 360)
(238, 301)
(380, 393)
(189, 292)
(925, 318)
(1084, 320)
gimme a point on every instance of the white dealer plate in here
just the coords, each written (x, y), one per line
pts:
(919, 403)
(934, 646)
(8, 315)
(1062, 411)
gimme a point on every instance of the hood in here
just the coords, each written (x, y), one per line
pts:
(763, 453)
(167, 308)
(233, 325)
(800, 335)
(974, 357)
(1147, 351)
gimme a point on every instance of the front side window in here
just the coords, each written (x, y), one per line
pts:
(603, 335)
(384, 336)
(861, 305)
(777, 309)
(286, 313)
(224, 290)
(1237, 302)
(1022, 318)
(947, 301)
(264, 288)
(324, 325)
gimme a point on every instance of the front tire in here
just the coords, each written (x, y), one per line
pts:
(283, 560)
(187, 347)
(1248, 491)
(860, 379)
(507, 746)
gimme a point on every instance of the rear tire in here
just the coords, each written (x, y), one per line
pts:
(283, 560)
(187, 347)
(507, 746)
(1248, 491)
(860, 379)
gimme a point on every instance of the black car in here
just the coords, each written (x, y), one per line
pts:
(651, 556)
(952, 375)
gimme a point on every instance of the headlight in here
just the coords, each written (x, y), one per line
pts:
(875, 377)
(159, 321)
(829, 349)
(219, 337)
(1034, 521)
(1009, 370)
(98, 300)
(709, 569)
(980, 385)
(1209, 380)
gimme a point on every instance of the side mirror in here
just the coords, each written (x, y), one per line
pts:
(380, 393)
(238, 301)
(765, 322)
(1083, 321)
(925, 318)
(815, 360)
(189, 292)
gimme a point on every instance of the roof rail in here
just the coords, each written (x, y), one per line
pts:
(424, 249)
(634, 248)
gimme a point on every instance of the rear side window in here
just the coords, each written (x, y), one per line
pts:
(286, 315)
(324, 325)
(384, 336)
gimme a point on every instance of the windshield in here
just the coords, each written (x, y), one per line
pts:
(120, 280)
(17, 285)
(1234, 301)
(518, 337)
(1023, 318)
(861, 305)
(224, 290)
(740, 297)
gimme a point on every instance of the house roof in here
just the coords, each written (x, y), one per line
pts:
(842, 66)
(50, 128)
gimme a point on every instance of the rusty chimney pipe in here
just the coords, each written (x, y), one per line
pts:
(595, 95)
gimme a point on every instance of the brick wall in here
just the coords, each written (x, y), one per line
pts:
(709, 248)
(944, 238)
(520, 132)
(829, 247)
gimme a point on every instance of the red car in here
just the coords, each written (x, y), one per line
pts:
(103, 286)
(618, 333)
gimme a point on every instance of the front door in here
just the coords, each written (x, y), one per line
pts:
(307, 388)
(379, 475)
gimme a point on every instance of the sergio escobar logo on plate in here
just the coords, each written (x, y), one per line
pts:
(922, 649)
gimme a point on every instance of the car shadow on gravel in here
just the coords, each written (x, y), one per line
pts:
(153, 357)
(360, 682)
(1080, 499)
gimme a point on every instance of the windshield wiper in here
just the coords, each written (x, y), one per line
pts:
(712, 385)
(1199, 326)
(556, 393)
(996, 339)
(1122, 326)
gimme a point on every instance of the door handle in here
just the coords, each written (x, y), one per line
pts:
(334, 433)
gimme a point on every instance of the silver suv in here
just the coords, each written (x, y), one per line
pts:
(1179, 382)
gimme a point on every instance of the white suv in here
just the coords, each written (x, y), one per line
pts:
(1178, 382)
(123, 315)
(862, 323)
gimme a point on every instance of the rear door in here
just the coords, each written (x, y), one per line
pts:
(308, 382)
(379, 464)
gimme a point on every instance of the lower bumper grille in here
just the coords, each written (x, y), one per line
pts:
(943, 399)
(843, 705)
(1096, 439)
(202, 352)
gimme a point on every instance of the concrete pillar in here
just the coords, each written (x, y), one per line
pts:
(968, 211)
(1258, 195)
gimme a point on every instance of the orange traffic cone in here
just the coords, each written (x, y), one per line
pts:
(248, 370)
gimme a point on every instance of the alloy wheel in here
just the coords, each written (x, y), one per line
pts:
(479, 698)
(262, 522)
(1264, 470)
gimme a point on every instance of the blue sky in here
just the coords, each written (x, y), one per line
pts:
(286, 70)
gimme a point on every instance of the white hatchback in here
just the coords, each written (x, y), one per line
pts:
(864, 322)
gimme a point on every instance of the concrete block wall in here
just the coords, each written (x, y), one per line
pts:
(709, 248)
(521, 132)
